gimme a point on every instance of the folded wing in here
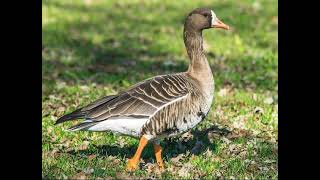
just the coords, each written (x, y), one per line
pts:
(141, 101)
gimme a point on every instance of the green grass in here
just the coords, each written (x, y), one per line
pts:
(94, 48)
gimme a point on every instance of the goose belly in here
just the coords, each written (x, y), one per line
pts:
(191, 121)
(130, 126)
(187, 123)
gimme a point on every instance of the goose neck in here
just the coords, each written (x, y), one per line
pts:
(199, 66)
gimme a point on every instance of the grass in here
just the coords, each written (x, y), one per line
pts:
(94, 48)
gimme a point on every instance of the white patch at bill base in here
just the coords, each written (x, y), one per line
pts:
(213, 18)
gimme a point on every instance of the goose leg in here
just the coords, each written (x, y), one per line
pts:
(158, 153)
(133, 163)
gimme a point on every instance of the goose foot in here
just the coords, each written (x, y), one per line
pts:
(158, 153)
(133, 163)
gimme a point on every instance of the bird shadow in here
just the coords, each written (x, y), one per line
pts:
(195, 142)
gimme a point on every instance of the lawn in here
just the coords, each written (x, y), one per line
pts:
(94, 48)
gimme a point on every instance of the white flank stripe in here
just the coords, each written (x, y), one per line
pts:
(128, 126)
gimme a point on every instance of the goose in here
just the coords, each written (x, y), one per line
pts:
(161, 106)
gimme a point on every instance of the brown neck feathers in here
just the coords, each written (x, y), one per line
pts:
(193, 41)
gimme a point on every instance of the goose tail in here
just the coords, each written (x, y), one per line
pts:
(74, 115)
(82, 126)
(82, 112)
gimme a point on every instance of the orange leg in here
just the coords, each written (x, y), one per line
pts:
(133, 163)
(158, 153)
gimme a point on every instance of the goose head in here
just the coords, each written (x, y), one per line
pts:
(204, 18)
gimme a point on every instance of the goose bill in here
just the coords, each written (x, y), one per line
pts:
(221, 25)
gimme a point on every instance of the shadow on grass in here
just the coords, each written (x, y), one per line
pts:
(172, 147)
(122, 45)
(129, 43)
(169, 146)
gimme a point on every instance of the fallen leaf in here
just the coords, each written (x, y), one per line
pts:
(92, 156)
(84, 146)
(127, 176)
(49, 130)
(153, 169)
(177, 160)
(240, 122)
(254, 152)
(212, 136)
(172, 169)
(186, 168)
(238, 133)
(218, 174)
(122, 142)
(60, 111)
(80, 176)
(208, 153)
(54, 152)
(268, 100)
(224, 139)
(60, 85)
(255, 97)
(264, 168)
(237, 149)
(222, 92)
(187, 136)
(150, 167)
(243, 154)
(232, 147)
(268, 161)
(53, 118)
(116, 161)
(85, 88)
(86, 142)
(193, 157)
(88, 170)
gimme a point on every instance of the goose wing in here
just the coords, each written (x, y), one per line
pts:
(141, 101)
(144, 99)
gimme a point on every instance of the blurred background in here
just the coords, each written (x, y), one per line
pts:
(94, 48)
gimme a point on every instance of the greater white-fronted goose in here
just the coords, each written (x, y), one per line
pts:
(162, 106)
